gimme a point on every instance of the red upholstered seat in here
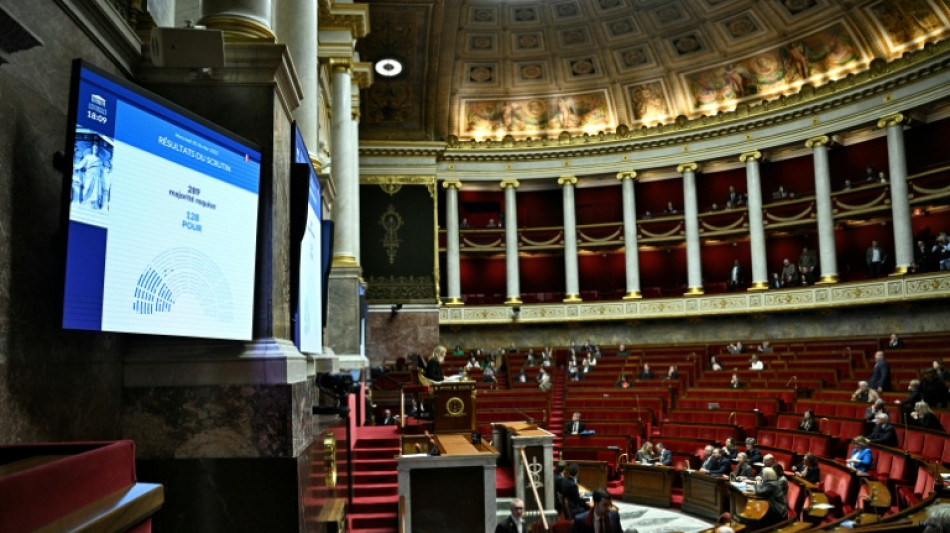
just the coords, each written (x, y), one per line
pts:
(933, 446)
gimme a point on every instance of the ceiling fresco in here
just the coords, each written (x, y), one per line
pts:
(485, 69)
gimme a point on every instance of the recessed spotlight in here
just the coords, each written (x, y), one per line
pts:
(389, 67)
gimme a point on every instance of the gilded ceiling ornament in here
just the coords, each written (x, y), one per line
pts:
(390, 188)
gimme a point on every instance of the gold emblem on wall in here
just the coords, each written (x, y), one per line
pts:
(455, 407)
(391, 221)
(329, 459)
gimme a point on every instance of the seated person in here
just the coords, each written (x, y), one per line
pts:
(663, 456)
(488, 375)
(939, 370)
(734, 382)
(521, 377)
(770, 489)
(544, 381)
(672, 373)
(755, 363)
(622, 351)
(861, 457)
(765, 347)
(874, 409)
(924, 417)
(729, 449)
(529, 359)
(883, 432)
(755, 455)
(895, 342)
(716, 464)
(808, 422)
(808, 469)
(744, 470)
(574, 504)
(389, 419)
(864, 393)
(575, 426)
(913, 396)
(735, 347)
(714, 363)
(646, 373)
(645, 454)
(624, 383)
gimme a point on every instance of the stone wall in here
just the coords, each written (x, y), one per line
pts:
(55, 385)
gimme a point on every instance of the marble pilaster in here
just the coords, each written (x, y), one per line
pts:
(631, 253)
(572, 291)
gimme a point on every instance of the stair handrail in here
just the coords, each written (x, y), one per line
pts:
(534, 489)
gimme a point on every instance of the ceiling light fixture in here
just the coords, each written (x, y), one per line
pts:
(389, 67)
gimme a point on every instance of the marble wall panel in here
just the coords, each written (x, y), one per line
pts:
(396, 335)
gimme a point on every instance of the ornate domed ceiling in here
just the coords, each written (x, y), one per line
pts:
(480, 69)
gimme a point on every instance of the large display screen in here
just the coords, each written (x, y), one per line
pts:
(307, 235)
(162, 216)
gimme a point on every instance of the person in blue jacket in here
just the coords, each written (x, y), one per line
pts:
(861, 455)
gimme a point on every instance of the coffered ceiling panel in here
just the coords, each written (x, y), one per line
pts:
(480, 69)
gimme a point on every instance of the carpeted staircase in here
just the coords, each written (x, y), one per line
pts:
(375, 487)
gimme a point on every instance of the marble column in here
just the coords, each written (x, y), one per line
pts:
(694, 267)
(753, 180)
(512, 274)
(572, 291)
(453, 277)
(239, 19)
(631, 253)
(827, 258)
(296, 23)
(900, 198)
(346, 207)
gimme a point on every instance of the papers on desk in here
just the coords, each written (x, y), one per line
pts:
(822, 506)
(587, 432)
(741, 485)
(450, 379)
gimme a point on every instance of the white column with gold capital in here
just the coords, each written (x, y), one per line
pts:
(344, 169)
(512, 274)
(296, 23)
(900, 199)
(572, 293)
(453, 277)
(827, 257)
(631, 253)
(239, 19)
(694, 266)
(753, 180)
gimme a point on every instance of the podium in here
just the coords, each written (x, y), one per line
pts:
(453, 405)
(704, 495)
(649, 485)
(512, 438)
(454, 491)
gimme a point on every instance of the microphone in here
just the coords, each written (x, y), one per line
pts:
(787, 383)
(732, 416)
(686, 462)
(529, 419)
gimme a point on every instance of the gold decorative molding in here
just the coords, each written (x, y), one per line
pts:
(453, 302)
(379, 179)
(452, 184)
(632, 295)
(567, 180)
(239, 29)
(756, 301)
(694, 291)
(820, 140)
(513, 300)
(348, 16)
(363, 75)
(897, 119)
(759, 286)
(754, 155)
(513, 183)
(340, 64)
(345, 261)
(830, 279)
(329, 459)
(572, 298)
(683, 168)
(627, 175)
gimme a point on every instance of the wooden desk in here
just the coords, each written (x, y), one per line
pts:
(454, 491)
(704, 495)
(879, 496)
(650, 485)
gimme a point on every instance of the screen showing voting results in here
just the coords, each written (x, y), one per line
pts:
(162, 217)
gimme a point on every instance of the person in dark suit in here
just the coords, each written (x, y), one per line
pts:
(602, 512)
(663, 456)
(808, 469)
(715, 464)
(389, 419)
(736, 276)
(513, 524)
(769, 489)
(754, 454)
(808, 422)
(881, 374)
(895, 342)
(573, 503)
(646, 373)
(575, 427)
(434, 366)
(883, 432)
(743, 468)
(558, 487)
(875, 258)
